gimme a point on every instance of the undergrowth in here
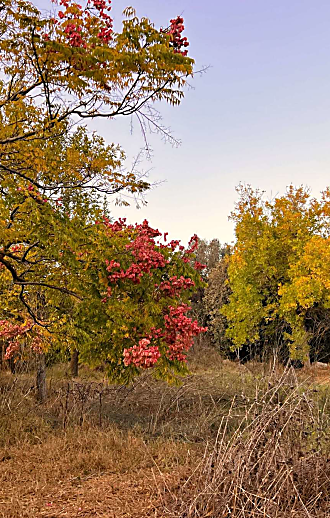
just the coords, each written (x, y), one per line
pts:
(230, 441)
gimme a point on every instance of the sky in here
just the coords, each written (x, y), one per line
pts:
(260, 114)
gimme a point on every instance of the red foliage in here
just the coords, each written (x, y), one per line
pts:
(180, 331)
(13, 333)
(177, 41)
(199, 266)
(175, 335)
(141, 355)
(75, 17)
(142, 248)
(174, 285)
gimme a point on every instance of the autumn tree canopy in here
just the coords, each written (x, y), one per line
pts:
(56, 178)
(279, 270)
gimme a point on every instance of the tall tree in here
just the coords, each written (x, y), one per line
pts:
(58, 72)
(210, 253)
(216, 295)
(207, 300)
(279, 270)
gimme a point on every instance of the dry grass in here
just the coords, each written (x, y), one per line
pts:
(231, 441)
(275, 464)
(93, 473)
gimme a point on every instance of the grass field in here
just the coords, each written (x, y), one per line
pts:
(230, 441)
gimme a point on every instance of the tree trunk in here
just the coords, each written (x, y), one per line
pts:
(41, 378)
(307, 362)
(74, 363)
(12, 365)
(3, 362)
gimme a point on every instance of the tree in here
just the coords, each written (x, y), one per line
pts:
(136, 316)
(210, 253)
(73, 64)
(216, 295)
(279, 270)
(131, 307)
(57, 73)
(207, 300)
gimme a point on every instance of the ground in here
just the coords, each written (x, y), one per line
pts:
(231, 440)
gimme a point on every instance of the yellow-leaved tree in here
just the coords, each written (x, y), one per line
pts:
(279, 273)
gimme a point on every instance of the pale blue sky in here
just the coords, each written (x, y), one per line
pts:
(261, 114)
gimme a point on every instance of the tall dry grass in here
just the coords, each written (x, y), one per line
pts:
(230, 441)
(275, 464)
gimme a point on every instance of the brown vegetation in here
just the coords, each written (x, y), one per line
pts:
(230, 441)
